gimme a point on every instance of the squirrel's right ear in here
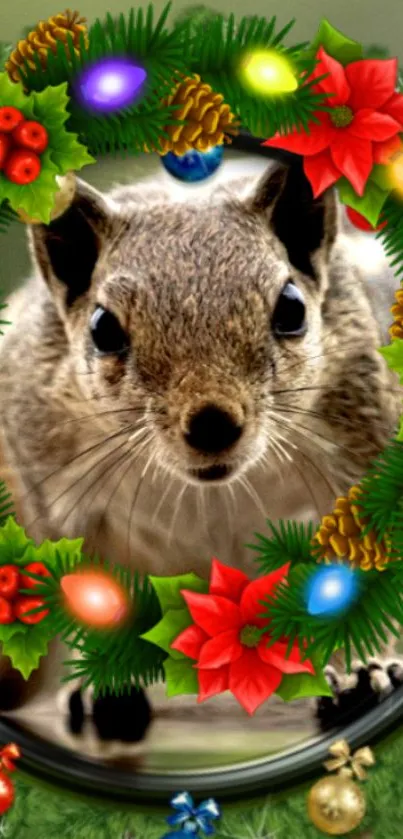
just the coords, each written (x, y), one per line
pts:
(67, 249)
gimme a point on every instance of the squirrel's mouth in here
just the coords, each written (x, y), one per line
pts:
(211, 474)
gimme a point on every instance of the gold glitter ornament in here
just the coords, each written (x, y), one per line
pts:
(336, 805)
(63, 199)
(341, 537)
(44, 39)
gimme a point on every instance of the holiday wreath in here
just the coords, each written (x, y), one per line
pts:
(336, 585)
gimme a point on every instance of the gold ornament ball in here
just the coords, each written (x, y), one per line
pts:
(63, 199)
(336, 805)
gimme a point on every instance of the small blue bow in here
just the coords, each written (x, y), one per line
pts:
(192, 819)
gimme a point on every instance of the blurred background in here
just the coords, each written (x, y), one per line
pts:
(377, 25)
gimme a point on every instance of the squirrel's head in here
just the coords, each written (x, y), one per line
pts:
(189, 319)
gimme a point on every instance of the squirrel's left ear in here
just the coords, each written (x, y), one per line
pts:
(306, 226)
(67, 249)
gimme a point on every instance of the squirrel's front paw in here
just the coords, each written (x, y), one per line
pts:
(124, 718)
(356, 693)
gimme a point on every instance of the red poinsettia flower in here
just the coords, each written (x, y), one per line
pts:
(361, 128)
(226, 638)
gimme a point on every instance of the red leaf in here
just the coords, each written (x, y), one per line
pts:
(383, 152)
(276, 656)
(220, 650)
(372, 125)
(256, 592)
(335, 82)
(190, 641)
(303, 142)
(251, 681)
(321, 172)
(227, 581)
(372, 82)
(353, 158)
(214, 614)
(394, 107)
(212, 682)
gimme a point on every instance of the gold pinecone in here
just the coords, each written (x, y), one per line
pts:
(209, 120)
(396, 330)
(340, 537)
(44, 38)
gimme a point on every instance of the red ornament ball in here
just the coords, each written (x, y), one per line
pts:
(7, 793)
(5, 146)
(22, 167)
(6, 612)
(9, 118)
(9, 581)
(25, 604)
(37, 568)
(31, 135)
(362, 223)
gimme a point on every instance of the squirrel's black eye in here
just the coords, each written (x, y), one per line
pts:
(288, 320)
(107, 333)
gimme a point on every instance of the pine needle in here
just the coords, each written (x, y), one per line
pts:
(290, 542)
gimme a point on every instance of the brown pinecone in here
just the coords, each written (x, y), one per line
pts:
(209, 120)
(396, 330)
(43, 39)
(340, 537)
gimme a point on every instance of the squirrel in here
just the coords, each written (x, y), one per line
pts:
(179, 370)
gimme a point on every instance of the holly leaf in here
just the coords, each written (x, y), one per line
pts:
(50, 109)
(7, 631)
(12, 93)
(25, 649)
(37, 198)
(168, 589)
(336, 44)
(393, 355)
(370, 204)
(163, 634)
(380, 177)
(302, 685)
(14, 543)
(180, 677)
(50, 553)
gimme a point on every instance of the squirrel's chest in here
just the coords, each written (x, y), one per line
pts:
(171, 528)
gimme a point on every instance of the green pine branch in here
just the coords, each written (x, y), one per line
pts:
(392, 234)
(361, 630)
(217, 56)
(290, 542)
(382, 491)
(158, 50)
(110, 660)
(213, 47)
(115, 660)
(7, 216)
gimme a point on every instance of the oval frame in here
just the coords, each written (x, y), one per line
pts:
(59, 766)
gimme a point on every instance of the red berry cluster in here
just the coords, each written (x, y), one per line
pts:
(13, 605)
(21, 143)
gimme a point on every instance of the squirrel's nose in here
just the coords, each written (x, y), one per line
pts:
(211, 430)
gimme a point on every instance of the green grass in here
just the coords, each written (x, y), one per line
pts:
(42, 812)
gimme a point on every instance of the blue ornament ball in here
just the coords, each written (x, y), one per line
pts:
(194, 165)
(331, 590)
